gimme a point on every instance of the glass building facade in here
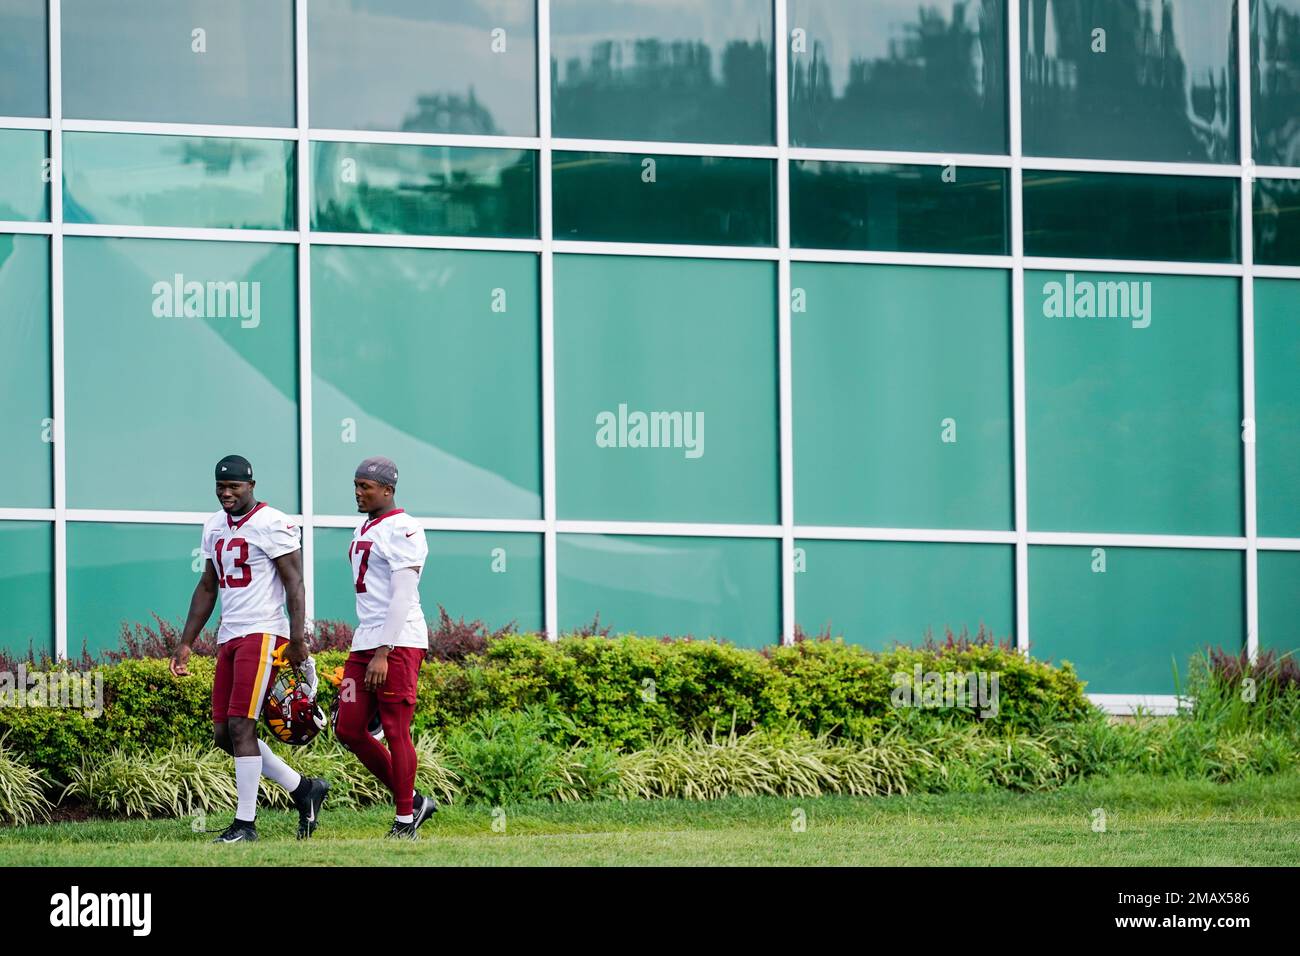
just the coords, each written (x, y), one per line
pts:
(725, 317)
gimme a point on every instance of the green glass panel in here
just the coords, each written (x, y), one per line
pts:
(179, 61)
(492, 577)
(26, 402)
(466, 438)
(178, 181)
(645, 351)
(1279, 602)
(1128, 407)
(124, 574)
(1275, 81)
(1123, 216)
(1131, 81)
(24, 64)
(898, 208)
(894, 74)
(879, 593)
(178, 377)
(660, 585)
(1127, 627)
(27, 588)
(676, 72)
(621, 197)
(24, 193)
(428, 66)
(902, 396)
(424, 190)
(1277, 407)
(1277, 221)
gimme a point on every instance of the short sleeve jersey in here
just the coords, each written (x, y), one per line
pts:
(243, 552)
(380, 546)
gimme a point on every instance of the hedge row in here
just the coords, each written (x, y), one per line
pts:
(621, 693)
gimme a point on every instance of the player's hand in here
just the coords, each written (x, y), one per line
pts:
(296, 653)
(180, 661)
(376, 672)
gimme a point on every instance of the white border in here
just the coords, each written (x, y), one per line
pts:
(1015, 223)
(56, 332)
(784, 334)
(787, 531)
(1247, 295)
(303, 184)
(546, 279)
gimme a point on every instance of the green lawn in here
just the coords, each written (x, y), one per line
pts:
(1148, 822)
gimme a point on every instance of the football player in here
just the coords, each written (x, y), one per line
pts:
(253, 559)
(387, 553)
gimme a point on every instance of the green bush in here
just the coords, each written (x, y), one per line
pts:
(22, 790)
(549, 719)
(506, 757)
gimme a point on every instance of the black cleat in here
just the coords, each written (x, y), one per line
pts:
(403, 831)
(425, 806)
(241, 831)
(309, 803)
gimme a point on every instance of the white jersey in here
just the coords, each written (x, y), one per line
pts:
(379, 547)
(243, 552)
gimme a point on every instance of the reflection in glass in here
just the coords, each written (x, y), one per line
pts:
(1279, 602)
(1133, 386)
(24, 193)
(883, 358)
(1277, 407)
(424, 190)
(426, 66)
(896, 74)
(1130, 79)
(879, 593)
(27, 589)
(1275, 81)
(626, 197)
(689, 341)
(671, 70)
(434, 358)
(196, 343)
(493, 577)
(662, 585)
(26, 401)
(132, 180)
(179, 61)
(898, 208)
(123, 574)
(1133, 628)
(1277, 221)
(1123, 216)
(24, 67)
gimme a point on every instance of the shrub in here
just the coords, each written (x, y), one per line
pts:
(22, 790)
(506, 757)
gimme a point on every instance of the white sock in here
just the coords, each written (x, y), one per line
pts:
(406, 818)
(247, 772)
(275, 769)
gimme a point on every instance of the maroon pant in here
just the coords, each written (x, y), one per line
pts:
(394, 765)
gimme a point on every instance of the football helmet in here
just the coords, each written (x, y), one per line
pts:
(291, 712)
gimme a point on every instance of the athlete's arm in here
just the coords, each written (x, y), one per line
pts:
(405, 582)
(202, 602)
(295, 596)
